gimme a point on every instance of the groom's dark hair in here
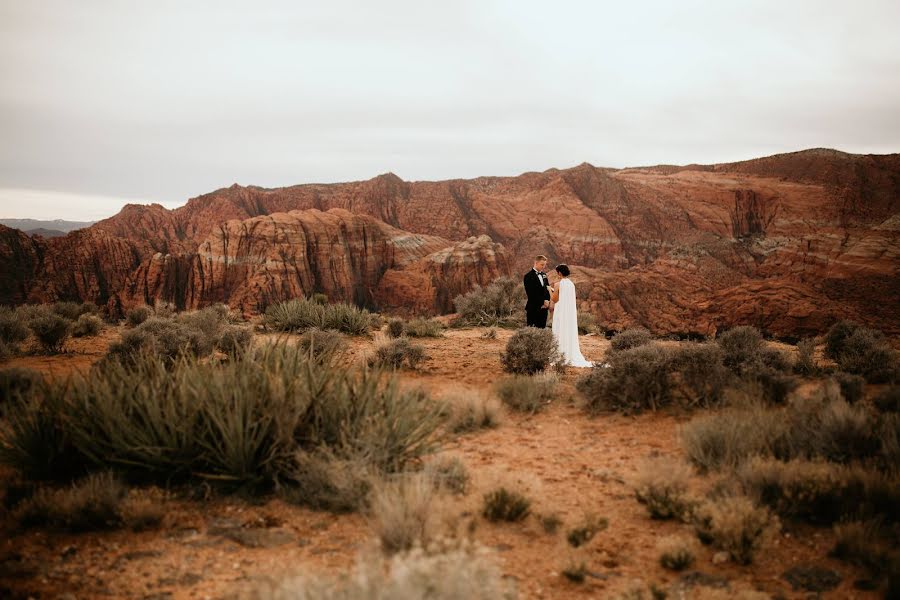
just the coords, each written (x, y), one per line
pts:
(563, 270)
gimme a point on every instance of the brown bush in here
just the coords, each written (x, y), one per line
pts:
(527, 393)
(398, 353)
(661, 486)
(630, 338)
(735, 525)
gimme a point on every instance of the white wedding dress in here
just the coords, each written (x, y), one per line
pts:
(565, 326)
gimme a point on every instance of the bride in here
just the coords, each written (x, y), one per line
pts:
(565, 320)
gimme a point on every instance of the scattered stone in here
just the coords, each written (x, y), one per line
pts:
(69, 551)
(812, 578)
(719, 558)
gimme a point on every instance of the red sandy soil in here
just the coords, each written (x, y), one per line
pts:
(578, 465)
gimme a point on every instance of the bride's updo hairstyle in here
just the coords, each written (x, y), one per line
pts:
(563, 270)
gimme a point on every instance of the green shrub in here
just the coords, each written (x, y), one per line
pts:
(397, 353)
(424, 328)
(527, 393)
(90, 504)
(735, 525)
(676, 552)
(637, 380)
(500, 304)
(87, 325)
(395, 328)
(137, 315)
(319, 298)
(630, 338)
(775, 384)
(320, 343)
(530, 350)
(662, 487)
(51, 331)
(503, 504)
(347, 319)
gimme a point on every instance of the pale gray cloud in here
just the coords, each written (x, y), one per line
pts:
(161, 101)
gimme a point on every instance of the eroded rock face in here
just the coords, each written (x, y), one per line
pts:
(789, 243)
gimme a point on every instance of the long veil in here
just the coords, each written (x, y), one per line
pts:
(565, 326)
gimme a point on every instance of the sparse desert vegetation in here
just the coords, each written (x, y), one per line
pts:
(718, 457)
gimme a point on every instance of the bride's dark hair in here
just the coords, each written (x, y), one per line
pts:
(563, 270)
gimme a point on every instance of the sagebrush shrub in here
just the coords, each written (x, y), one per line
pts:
(585, 531)
(17, 383)
(90, 504)
(489, 334)
(637, 380)
(630, 338)
(888, 400)
(676, 552)
(166, 339)
(322, 342)
(863, 543)
(868, 353)
(13, 330)
(499, 304)
(470, 411)
(735, 525)
(820, 492)
(700, 378)
(302, 314)
(805, 363)
(234, 340)
(587, 323)
(852, 386)
(51, 331)
(137, 315)
(450, 473)
(530, 350)
(72, 310)
(405, 511)
(395, 328)
(449, 571)
(423, 328)
(836, 337)
(726, 439)
(527, 393)
(398, 353)
(741, 347)
(87, 325)
(505, 504)
(661, 486)
(322, 480)
(319, 298)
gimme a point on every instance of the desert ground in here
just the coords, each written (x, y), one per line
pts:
(575, 465)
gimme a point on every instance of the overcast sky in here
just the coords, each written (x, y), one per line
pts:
(103, 103)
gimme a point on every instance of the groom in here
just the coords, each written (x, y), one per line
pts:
(538, 292)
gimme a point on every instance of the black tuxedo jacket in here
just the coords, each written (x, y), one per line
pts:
(536, 292)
